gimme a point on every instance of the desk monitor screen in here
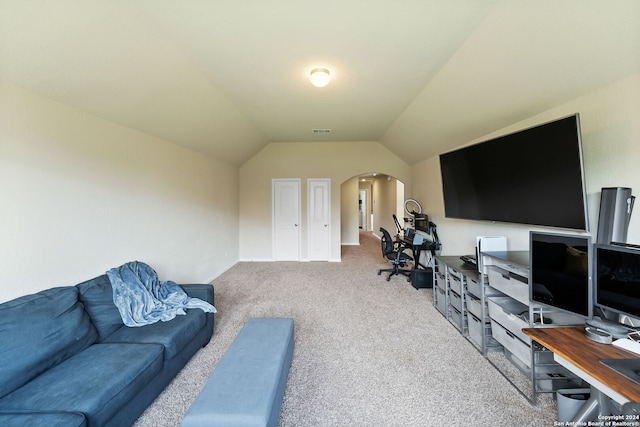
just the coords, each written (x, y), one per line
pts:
(421, 222)
(617, 279)
(560, 273)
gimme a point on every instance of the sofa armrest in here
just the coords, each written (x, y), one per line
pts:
(42, 418)
(202, 291)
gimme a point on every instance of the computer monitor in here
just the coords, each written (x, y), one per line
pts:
(421, 222)
(560, 272)
(617, 278)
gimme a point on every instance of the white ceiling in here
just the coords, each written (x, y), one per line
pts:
(227, 77)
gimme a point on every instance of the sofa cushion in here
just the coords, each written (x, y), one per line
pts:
(39, 331)
(174, 335)
(45, 418)
(97, 296)
(96, 382)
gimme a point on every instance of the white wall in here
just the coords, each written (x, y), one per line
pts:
(366, 187)
(349, 213)
(385, 200)
(81, 195)
(610, 122)
(339, 161)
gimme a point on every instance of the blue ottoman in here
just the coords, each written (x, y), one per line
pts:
(247, 386)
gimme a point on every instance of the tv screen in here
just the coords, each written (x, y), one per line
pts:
(560, 273)
(617, 279)
(534, 176)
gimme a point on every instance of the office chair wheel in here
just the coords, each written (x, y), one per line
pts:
(379, 272)
(389, 279)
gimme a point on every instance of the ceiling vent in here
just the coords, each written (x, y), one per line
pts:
(321, 131)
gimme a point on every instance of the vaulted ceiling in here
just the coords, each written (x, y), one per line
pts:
(227, 77)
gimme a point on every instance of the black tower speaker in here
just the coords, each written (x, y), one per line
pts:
(616, 205)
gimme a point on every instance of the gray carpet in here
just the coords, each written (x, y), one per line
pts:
(367, 352)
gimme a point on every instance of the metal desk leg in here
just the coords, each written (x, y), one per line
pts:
(597, 404)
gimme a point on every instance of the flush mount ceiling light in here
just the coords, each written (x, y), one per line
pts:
(319, 77)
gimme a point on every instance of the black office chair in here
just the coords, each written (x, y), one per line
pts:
(393, 252)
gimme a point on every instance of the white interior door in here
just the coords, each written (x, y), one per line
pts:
(319, 219)
(362, 209)
(286, 219)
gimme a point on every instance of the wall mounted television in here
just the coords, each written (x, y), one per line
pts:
(533, 176)
(560, 272)
(617, 279)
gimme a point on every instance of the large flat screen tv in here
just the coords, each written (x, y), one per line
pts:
(534, 176)
(617, 279)
(560, 272)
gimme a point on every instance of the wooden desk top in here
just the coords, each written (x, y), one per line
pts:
(572, 345)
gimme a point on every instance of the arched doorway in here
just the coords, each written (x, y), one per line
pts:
(368, 202)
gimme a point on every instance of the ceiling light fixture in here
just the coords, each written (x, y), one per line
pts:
(320, 77)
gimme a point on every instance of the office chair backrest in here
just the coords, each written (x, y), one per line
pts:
(385, 242)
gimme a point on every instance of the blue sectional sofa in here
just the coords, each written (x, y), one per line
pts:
(68, 360)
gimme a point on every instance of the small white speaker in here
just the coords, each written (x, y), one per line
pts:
(488, 244)
(616, 205)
